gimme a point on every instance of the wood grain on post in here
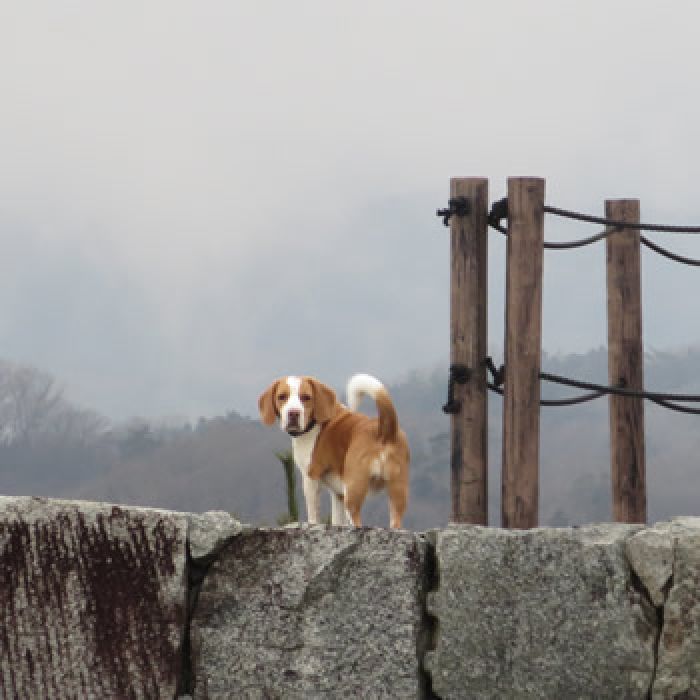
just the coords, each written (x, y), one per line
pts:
(468, 347)
(523, 349)
(626, 365)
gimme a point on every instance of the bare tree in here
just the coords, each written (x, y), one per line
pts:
(33, 406)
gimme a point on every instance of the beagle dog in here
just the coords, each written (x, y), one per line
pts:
(349, 452)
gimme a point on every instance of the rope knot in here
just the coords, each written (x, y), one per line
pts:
(499, 211)
(459, 374)
(456, 206)
(497, 375)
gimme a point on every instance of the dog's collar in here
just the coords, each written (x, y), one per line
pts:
(308, 429)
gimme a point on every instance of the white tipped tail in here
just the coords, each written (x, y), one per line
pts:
(365, 385)
(362, 385)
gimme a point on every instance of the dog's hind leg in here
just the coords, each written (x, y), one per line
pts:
(355, 494)
(397, 503)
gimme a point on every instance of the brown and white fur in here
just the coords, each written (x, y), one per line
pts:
(349, 452)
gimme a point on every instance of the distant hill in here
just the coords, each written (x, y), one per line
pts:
(229, 462)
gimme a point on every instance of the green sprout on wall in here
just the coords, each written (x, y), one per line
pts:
(292, 514)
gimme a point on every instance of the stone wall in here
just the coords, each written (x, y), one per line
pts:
(104, 601)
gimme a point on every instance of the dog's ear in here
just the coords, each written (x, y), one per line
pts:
(325, 401)
(266, 404)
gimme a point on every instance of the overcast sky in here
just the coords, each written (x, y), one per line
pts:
(198, 197)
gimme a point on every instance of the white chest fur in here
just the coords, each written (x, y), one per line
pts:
(303, 448)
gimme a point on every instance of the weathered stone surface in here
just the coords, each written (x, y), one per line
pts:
(678, 671)
(209, 532)
(312, 612)
(92, 600)
(545, 613)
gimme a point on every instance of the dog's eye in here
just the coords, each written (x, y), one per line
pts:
(282, 397)
(305, 397)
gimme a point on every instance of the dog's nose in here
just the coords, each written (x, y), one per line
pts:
(293, 416)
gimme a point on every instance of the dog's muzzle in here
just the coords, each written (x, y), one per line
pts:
(298, 432)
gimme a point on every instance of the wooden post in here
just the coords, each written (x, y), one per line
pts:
(523, 350)
(626, 365)
(468, 347)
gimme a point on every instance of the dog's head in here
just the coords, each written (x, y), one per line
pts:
(298, 402)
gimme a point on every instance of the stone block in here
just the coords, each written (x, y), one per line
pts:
(312, 612)
(543, 613)
(92, 600)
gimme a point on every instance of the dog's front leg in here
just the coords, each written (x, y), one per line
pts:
(312, 496)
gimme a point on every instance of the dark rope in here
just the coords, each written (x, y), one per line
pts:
(604, 234)
(566, 245)
(557, 402)
(668, 254)
(619, 391)
(499, 211)
(596, 391)
(643, 239)
(620, 224)
(676, 407)
(573, 401)
(498, 377)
